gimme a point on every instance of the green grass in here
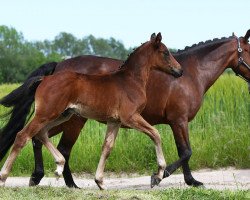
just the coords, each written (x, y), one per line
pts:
(65, 193)
(219, 137)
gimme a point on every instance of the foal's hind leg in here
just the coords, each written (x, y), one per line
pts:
(136, 121)
(21, 139)
(59, 159)
(112, 130)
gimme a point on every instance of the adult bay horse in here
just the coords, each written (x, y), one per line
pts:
(178, 100)
(117, 98)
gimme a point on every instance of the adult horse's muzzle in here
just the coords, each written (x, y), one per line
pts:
(176, 72)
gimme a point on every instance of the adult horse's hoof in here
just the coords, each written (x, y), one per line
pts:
(193, 182)
(155, 180)
(73, 185)
(32, 182)
(35, 178)
(100, 184)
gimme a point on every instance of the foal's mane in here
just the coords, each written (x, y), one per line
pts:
(202, 45)
(131, 55)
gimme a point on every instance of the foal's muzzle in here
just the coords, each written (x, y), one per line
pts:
(176, 72)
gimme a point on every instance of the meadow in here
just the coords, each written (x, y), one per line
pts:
(66, 193)
(219, 136)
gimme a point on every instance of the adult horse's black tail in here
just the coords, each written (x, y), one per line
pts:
(20, 100)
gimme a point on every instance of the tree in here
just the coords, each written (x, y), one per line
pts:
(19, 57)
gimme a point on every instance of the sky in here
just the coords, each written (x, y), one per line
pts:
(181, 22)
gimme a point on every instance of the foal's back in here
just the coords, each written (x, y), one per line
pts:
(92, 96)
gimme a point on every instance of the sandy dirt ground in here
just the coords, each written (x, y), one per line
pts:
(221, 179)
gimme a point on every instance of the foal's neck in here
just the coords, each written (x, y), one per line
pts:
(138, 67)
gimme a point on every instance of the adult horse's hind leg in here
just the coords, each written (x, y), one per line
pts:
(71, 131)
(38, 172)
(136, 121)
(111, 133)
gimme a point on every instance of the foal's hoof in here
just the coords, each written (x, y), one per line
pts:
(2, 181)
(155, 180)
(100, 184)
(58, 173)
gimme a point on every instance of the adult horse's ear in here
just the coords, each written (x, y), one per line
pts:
(153, 36)
(158, 39)
(246, 37)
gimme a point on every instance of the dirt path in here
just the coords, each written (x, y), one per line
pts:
(215, 179)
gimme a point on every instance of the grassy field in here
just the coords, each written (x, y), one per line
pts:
(65, 193)
(219, 137)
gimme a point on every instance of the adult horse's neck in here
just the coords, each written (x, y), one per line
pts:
(207, 61)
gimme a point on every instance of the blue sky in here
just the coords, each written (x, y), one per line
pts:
(181, 23)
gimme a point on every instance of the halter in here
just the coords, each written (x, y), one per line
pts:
(241, 61)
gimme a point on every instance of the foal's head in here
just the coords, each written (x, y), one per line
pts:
(161, 58)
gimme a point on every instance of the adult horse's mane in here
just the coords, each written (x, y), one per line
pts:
(200, 45)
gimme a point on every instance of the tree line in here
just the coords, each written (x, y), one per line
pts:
(18, 57)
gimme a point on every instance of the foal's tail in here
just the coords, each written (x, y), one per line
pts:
(20, 100)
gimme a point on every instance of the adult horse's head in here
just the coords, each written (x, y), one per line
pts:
(241, 64)
(162, 59)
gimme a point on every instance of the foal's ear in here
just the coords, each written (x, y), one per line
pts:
(153, 36)
(158, 40)
(246, 37)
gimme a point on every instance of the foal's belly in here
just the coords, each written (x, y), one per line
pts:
(100, 113)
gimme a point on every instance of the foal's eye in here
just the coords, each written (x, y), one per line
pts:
(166, 53)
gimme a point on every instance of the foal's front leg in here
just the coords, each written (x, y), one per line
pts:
(111, 133)
(137, 122)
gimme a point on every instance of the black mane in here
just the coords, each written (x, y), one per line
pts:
(200, 45)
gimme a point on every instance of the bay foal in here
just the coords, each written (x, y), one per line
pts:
(116, 98)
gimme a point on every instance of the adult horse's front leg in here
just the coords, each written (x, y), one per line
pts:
(112, 130)
(137, 122)
(180, 130)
